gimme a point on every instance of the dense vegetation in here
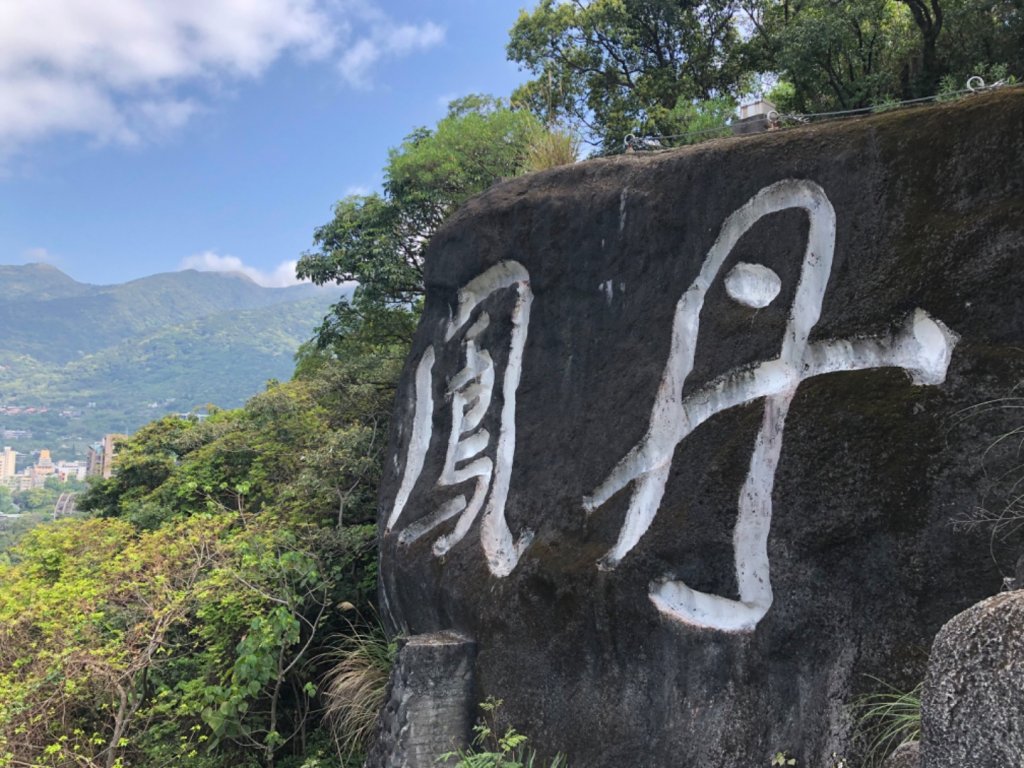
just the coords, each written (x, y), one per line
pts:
(196, 615)
(191, 619)
(615, 67)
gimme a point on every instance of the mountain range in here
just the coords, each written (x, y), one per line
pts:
(110, 358)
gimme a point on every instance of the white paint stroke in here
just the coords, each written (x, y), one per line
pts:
(419, 440)
(470, 392)
(753, 285)
(504, 274)
(922, 347)
(502, 550)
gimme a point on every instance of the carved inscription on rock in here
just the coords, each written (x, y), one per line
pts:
(468, 445)
(478, 461)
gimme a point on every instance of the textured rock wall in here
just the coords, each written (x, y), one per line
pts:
(682, 437)
(972, 710)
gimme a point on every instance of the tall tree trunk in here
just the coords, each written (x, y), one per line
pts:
(928, 18)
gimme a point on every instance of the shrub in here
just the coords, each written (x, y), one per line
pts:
(550, 149)
(491, 749)
(356, 686)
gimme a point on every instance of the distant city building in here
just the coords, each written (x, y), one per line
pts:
(109, 450)
(41, 470)
(7, 465)
(100, 458)
(36, 475)
(94, 460)
(71, 470)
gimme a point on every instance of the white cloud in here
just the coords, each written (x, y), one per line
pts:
(385, 40)
(128, 70)
(209, 261)
(38, 254)
(165, 115)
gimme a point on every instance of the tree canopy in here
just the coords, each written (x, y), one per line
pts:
(378, 240)
(619, 66)
(625, 66)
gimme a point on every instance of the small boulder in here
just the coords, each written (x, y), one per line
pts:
(907, 755)
(972, 709)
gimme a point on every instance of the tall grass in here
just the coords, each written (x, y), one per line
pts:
(355, 688)
(551, 148)
(887, 718)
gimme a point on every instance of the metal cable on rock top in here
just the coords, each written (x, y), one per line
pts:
(975, 84)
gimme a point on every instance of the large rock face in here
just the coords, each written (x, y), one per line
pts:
(682, 436)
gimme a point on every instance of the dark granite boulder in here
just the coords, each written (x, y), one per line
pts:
(907, 755)
(682, 435)
(972, 710)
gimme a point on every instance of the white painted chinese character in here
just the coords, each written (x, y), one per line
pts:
(922, 347)
(466, 459)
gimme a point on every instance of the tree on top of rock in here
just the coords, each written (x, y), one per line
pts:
(618, 66)
(378, 240)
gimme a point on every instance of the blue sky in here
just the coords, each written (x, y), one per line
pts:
(144, 136)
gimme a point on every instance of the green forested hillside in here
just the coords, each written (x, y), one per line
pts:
(110, 358)
(219, 359)
(38, 282)
(50, 317)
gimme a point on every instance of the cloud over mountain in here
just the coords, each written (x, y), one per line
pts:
(209, 261)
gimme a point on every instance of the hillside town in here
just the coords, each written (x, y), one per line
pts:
(99, 463)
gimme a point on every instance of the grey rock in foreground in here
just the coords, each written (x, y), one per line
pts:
(907, 755)
(972, 709)
(429, 704)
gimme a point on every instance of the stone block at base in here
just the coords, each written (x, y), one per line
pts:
(429, 706)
